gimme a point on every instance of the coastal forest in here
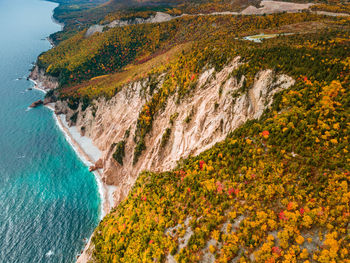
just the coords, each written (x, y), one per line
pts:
(277, 188)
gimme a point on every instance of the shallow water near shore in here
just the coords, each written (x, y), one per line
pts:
(49, 201)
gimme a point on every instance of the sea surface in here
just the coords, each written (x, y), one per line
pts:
(49, 201)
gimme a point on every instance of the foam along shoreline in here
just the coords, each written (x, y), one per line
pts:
(36, 86)
(87, 152)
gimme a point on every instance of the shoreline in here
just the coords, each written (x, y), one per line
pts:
(89, 159)
(58, 23)
(36, 86)
(105, 192)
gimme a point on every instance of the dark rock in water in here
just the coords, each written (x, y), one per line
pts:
(36, 104)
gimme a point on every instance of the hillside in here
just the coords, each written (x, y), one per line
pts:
(76, 15)
(225, 135)
(275, 189)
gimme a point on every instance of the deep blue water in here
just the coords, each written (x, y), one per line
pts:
(49, 201)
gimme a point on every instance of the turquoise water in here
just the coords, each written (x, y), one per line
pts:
(49, 201)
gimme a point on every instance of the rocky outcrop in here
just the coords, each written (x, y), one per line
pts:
(36, 104)
(98, 165)
(43, 81)
(216, 107)
(270, 7)
(157, 18)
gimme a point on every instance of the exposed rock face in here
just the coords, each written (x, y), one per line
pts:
(204, 118)
(270, 7)
(36, 104)
(267, 7)
(98, 165)
(43, 81)
(216, 107)
(157, 18)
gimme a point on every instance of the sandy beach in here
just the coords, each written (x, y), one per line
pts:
(89, 154)
(86, 151)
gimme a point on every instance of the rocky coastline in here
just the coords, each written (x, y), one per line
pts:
(81, 145)
(42, 81)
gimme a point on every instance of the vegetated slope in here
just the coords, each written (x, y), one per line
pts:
(178, 7)
(276, 189)
(180, 128)
(268, 187)
(182, 74)
(335, 8)
(75, 15)
(79, 58)
(79, 14)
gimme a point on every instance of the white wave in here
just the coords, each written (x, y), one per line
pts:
(49, 253)
(102, 193)
(37, 86)
(72, 138)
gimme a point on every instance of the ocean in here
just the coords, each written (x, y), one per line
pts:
(49, 201)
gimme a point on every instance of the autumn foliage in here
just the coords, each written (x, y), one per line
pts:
(276, 190)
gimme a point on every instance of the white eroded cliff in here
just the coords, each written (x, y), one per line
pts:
(215, 107)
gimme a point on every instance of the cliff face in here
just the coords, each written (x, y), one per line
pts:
(43, 81)
(215, 107)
